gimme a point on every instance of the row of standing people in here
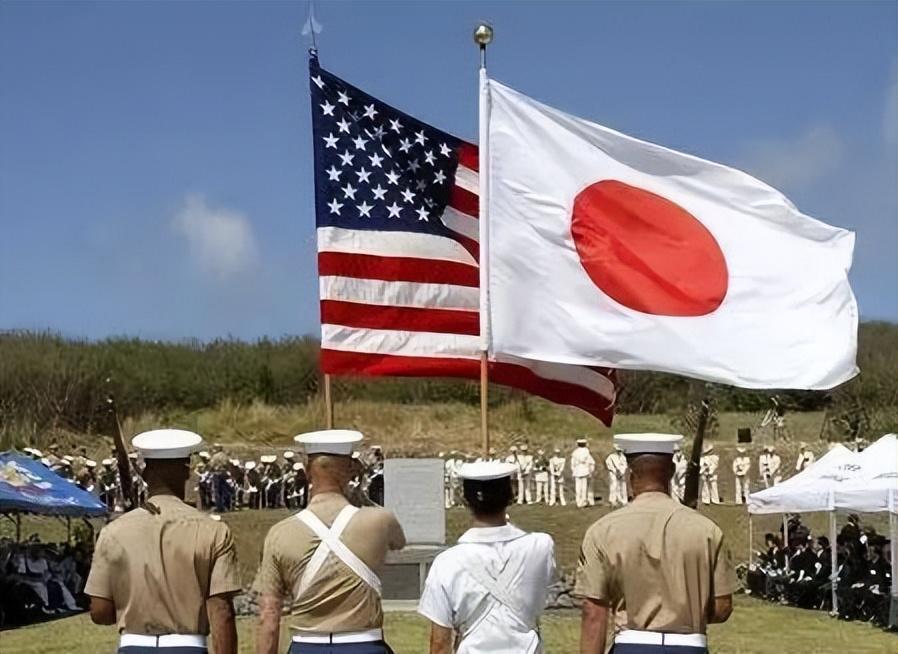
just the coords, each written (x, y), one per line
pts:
(275, 481)
(667, 564)
(541, 479)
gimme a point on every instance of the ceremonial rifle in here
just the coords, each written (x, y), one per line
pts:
(690, 494)
(129, 492)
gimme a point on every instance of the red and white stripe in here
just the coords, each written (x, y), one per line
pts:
(405, 304)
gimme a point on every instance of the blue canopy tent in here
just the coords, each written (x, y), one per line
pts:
(28, 486)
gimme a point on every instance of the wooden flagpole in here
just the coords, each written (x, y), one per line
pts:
(483, 36)
(328, 403)
(484, 402)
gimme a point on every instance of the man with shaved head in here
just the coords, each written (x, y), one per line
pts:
(324, 562)
(667, 564)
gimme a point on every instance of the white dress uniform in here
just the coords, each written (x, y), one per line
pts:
(556, 479)
(741, 469)
(583, 467)
(525, 477)
(491, 587)
(769, 467)
(805, 458)
(709, 463)
(678, 483)
(616, 464)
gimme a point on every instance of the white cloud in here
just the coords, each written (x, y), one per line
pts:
(220, 240)
(796, 163)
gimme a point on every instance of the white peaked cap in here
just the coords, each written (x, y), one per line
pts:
(108, 462)
(647, 443)
(167, 443)
(486, 470)
(329, 441)
(268, 458)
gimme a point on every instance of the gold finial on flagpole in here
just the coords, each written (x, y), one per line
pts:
(483, 36)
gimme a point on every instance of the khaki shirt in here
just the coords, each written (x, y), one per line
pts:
(337, 600)
(662, 561)
(160, 569)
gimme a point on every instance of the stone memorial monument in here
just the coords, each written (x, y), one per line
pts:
(413, 490)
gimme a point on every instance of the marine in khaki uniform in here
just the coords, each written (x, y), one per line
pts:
(324, 562)
(665, 563)
(165, 573)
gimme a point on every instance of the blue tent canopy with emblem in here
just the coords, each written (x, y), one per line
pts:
(28, 486)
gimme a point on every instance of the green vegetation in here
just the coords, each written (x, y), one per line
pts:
(53, 386)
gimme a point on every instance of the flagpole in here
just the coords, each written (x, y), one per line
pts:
(483, 36)
(328, 403)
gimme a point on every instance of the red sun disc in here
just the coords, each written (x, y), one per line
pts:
(646, 252)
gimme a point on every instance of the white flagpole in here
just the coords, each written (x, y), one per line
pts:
(483, 35)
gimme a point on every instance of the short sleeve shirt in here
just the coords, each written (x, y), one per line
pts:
(337, 600)
(160, 568)
(662, 561)
(454, 595)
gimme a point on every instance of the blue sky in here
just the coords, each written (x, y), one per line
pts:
(155, 158)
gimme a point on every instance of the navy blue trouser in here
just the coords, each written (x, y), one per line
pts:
(630, 648)
(131, 649)
(373, 647)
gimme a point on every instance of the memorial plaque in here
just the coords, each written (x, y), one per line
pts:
(413, 490)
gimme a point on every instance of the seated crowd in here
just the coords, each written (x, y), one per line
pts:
(40, 579)
(801, 574)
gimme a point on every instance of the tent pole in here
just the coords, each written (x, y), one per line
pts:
(751, 552)
(786, 541)
(18, 527)
(893, 535)
(833, 560)
(68, 530)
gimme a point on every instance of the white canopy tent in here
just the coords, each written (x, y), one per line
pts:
(810, 490)
(865, 481)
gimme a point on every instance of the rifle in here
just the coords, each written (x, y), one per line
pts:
(690, 494)
(129, 492)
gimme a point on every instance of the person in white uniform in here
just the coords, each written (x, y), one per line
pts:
(681, 465)
(741, 470)
(583, 466)
(556, 479)
(488, 592)
(525, 476)
(616, 464)
(805, 458)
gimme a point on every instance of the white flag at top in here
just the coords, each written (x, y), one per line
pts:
(607, 250)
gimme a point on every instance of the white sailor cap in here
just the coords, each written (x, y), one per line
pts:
(647, 443)
(90, 463)
(167, 443)
(108, 462)
(289, 454)
(486, 470)
(204, 454)
(329, 441)
(268, 458)
(249, 465)
(298, 465)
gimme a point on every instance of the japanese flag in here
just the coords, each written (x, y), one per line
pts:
(606, 250)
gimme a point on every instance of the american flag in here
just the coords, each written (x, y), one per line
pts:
(397, 204)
